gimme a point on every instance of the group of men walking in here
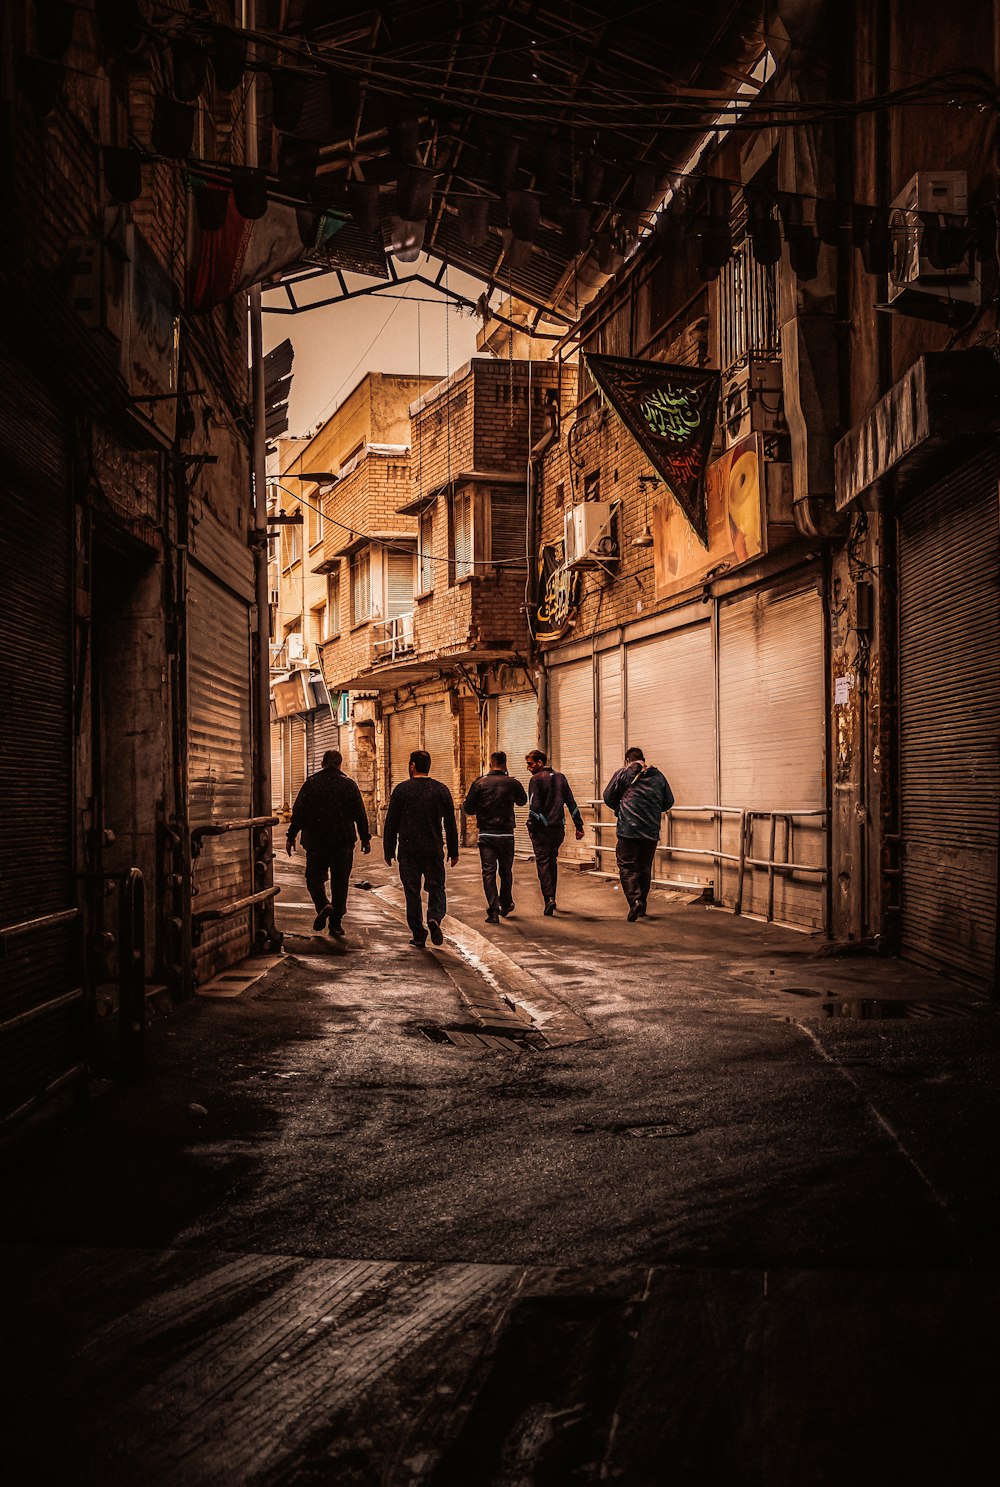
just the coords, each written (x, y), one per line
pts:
(420, 829)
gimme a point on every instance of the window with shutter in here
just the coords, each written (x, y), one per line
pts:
(399, 584)
(463, 535)
(507, 530)
(332, 605)
(426, 549)
(361, 587)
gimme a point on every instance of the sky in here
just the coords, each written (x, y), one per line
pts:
(402, 329)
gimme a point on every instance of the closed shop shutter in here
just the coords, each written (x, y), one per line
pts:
(949, 702)
(670, 715)
(323, 732)
(611, 714)
(220, 771)
(42, 1027)
(772, 742)
(516, 734)
(439, 741)
(298, 761)
(404, 737)
(279, 795)
(571, 741)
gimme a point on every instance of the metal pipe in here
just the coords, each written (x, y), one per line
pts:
(66, 1000)
(31, 926)
(238, 906)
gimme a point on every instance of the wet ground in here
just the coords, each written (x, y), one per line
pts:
(566, 1201)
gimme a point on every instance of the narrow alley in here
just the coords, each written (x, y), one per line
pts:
(700, 1206)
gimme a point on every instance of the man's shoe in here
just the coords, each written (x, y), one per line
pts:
(337, 929)
(418, 944)
(492, 918)
(505, 911)
(322, 916)
(634, 913)
(642, 910)
(437, 938)
(550, 907)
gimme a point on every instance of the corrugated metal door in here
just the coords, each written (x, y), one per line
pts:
(404, 737)
(439, 741)
(220, 771)
(323, 732)
(42, 1020)
(516, 733)
(279, 798)
(298, 762)
(611, 714)
(571, 740)
(772, 741)
(949, 703)
(670, 715)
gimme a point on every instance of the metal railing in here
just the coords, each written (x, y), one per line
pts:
(392, 638)
(75, 1073)
(742, 859)
(260, 856)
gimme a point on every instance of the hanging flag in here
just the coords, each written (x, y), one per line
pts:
(670, 412)
(241, 252)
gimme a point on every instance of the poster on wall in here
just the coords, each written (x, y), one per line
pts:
(734, 505)
(670, 412)
(559, 588)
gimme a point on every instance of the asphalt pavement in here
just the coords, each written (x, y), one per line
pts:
(567, 1200)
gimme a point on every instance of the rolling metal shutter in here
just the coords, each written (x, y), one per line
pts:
(298, 764)
(772, 742)
(949, 703)
(611, 714)
(42, 1006)
(322, 733)
(279, 797)
(220, 769)
(438, 738)
(670, 715)
(571, 741)
(404, 737)
(516, 733)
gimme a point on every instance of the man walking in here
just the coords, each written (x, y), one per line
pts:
(491, 799)
(327, 810)
(549, 795)
(418, 809)
(638, 794)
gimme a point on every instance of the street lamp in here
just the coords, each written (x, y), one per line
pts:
(320, 476)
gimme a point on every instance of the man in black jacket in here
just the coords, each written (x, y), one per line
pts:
(491, 799)
(326, 811)
(549, 796)
(418, 810)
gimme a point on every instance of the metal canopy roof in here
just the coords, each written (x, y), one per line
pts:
(588, 111)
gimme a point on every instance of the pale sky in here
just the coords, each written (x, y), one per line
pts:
(401, 329)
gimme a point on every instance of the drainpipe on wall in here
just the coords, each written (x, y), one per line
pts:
(538, 450)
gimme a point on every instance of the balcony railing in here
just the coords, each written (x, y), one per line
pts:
(392, 638)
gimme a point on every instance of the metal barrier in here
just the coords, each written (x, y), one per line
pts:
(392, 638)
(76, 1073)
(741, 859)
(201, 917)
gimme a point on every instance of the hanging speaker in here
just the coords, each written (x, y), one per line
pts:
(474, 220)
(413, 193)
(524, 210)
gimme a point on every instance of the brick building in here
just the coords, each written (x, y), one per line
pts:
(447, 656)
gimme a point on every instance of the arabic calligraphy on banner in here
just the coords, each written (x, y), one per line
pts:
(670, 412)
(560, 591)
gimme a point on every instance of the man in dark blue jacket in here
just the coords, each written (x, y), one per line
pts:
(638, 794)
(549, 796)
(491, 799)
(419, 810)
(327, 810)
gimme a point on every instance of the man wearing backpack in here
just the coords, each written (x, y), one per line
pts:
(549, 798)
(638, 794)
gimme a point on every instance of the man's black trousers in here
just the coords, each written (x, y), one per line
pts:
(335, 863)
(634, 856)
(428, 872)
(546, 844)
(497, 856)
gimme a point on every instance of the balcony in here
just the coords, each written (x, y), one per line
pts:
(393, 638)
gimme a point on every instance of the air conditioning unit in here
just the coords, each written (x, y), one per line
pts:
(752, 400)
(590, 540)
(921, 278)
(296, 646)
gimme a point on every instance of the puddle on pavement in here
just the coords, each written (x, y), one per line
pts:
(885, 1009)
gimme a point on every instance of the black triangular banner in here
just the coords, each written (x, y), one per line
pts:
(670, 412)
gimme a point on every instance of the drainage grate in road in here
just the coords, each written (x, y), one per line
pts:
(475, 1039)
(882, 1009)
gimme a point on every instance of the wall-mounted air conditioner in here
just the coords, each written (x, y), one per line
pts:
(296, 646)
(752, 400)
(933, 263)
(590, 540)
